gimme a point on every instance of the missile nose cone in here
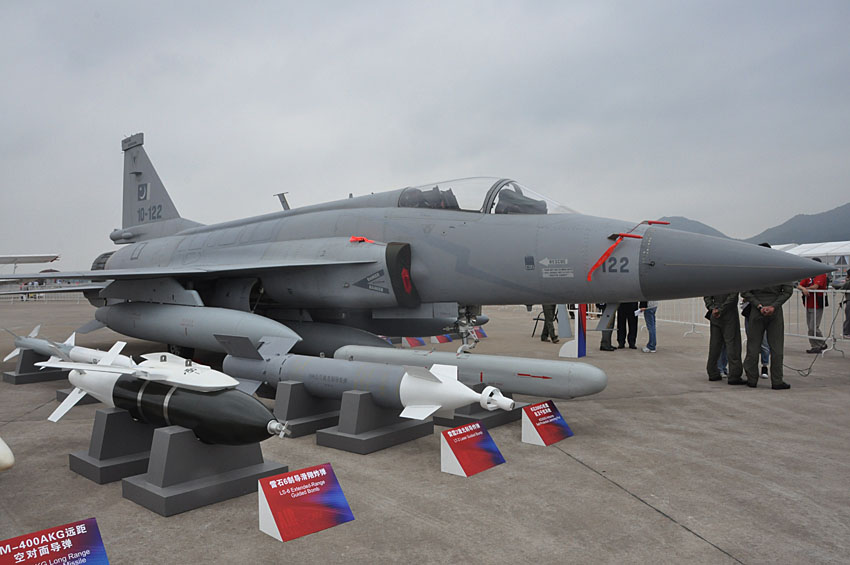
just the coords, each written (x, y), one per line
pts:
(590, 380)
(677, 264)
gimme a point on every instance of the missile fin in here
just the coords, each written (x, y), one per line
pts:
(419, 412)
(71, 339)
(238, 346)
(421, 373)
(112, 354)
(69, 402)
(13, 354)
(248, 386)
(277, 345)
(444, 372)
(35, 331)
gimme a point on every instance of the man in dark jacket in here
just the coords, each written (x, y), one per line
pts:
(766, 317)
(725, 328)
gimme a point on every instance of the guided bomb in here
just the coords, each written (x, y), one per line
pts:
(416, 391)
(169, 390)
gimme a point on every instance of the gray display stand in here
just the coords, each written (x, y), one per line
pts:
(119, 448)
(26, 372)
(303, 412)
(475, 413)
(184, 473)
(365, 427)
(63, 393)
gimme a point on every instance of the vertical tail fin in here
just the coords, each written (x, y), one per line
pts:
(148, 209)
(145, 197)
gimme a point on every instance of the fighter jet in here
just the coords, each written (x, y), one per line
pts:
(409, 261)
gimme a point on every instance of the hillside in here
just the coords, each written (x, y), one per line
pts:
(833, 225)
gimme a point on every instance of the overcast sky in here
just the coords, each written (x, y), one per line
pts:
(736, 114)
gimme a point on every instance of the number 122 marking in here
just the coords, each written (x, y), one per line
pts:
(610, 266)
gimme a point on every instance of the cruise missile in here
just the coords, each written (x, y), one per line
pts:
(7, 459)
(66, 351)
(519, 375)
(417, 391)
(168, 390)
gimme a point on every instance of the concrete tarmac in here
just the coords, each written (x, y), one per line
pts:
(664, 467)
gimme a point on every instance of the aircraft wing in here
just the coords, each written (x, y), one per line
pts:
(186, 271)
(20, 259)
(53, 290)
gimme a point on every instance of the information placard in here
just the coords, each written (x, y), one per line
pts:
(542, 424)
(302, 502)
(468, 449)
(70, 544)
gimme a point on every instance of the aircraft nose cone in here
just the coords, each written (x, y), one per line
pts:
(677, 264)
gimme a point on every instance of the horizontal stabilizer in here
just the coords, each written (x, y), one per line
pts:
(419, 412)
(248, 386)
(421, 373)
(69, 402)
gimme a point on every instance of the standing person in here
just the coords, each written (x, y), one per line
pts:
(814, 308)
(605, 343)
(626, 317)
(846, 329)
(766, 317)
(765, 348)
(649, 309)
(549, 324)
(725, 331)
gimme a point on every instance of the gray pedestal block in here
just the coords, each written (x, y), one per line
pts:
(119, 447)
(304, 413)
(63, 393)
(365, 427)
(184, 473)
(475, 413)
(26, 372)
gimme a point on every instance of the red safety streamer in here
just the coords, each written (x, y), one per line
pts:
(611, 250)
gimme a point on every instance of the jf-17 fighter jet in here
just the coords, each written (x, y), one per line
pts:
(409, 262)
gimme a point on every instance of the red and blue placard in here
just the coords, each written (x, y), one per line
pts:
(302, 502)
(77, 542)
(468, 449)
(542, 424)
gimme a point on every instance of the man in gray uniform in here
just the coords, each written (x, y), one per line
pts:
(766, 316)
(725, 329)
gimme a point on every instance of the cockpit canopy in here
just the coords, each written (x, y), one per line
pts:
(480, 194)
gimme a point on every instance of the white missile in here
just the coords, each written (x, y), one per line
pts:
(7, 459)
(66, 351)
(424, 392)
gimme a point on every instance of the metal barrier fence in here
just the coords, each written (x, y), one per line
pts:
(690, 312)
